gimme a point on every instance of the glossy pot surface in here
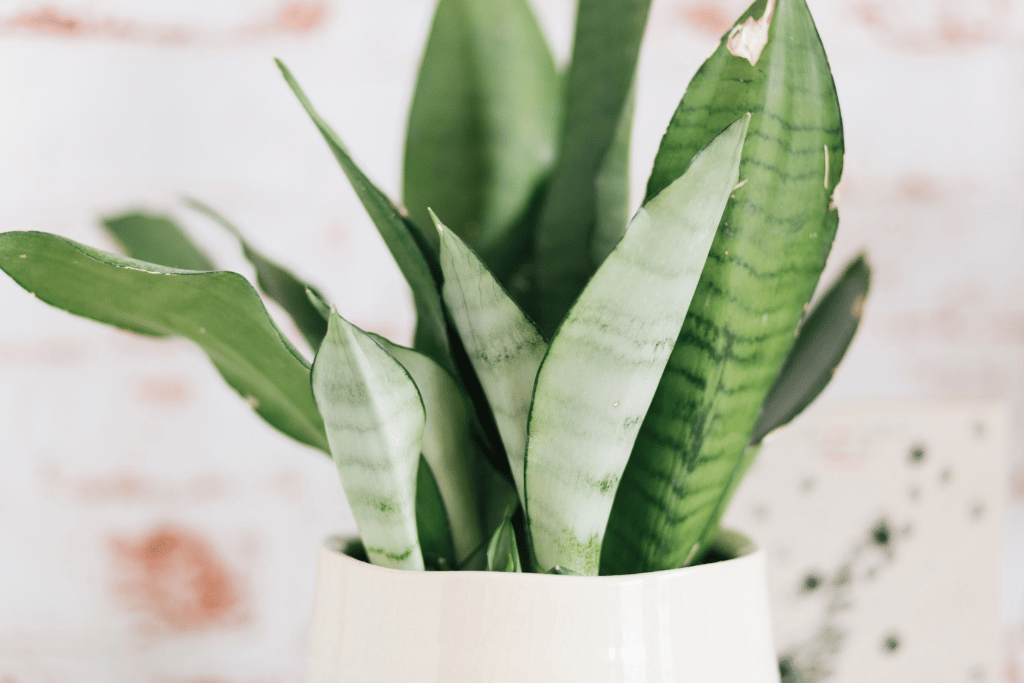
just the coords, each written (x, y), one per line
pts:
(703, 624)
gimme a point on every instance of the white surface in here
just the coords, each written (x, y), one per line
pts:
(708, 623)
(882, 528)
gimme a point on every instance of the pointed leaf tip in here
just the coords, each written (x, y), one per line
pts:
(374, 418)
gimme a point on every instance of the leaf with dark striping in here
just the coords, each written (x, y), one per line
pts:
(767, 256)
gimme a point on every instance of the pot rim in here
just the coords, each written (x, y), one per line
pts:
(734, 545)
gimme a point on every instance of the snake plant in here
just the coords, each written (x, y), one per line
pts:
(584, 393)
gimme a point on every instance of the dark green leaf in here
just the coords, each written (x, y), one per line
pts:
(277, 282)
(156, 239)
(822, 341)
(613, 187)
(770, 249)
(432, 521)
(220, 311)
(483, 121)
(605, 52)
(416, 258)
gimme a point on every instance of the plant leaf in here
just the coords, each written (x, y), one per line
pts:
(408, 245)
(502, 552)
(502, 343)
(821, 342)
(375, 420)
(446, 444)
(276, 282)
(484, 118)
(612, 183)
(771, 246)
(156, 239)
(218, 310)
(601, 370)
(605, 52)
(432, 526)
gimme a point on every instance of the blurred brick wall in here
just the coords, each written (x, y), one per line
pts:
(125, 461)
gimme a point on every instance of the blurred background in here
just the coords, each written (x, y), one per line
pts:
(152, 528)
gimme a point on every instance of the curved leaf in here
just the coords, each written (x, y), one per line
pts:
(503, 345)
(483, 120)
(220, 311)
(276, 282)
(601, 370)
(446, 444)
(605, 52)
(409, 246)
(156, 239)
(771, 246)
(375, 420)
(820, 344)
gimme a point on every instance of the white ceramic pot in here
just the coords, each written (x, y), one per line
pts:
(702, 624)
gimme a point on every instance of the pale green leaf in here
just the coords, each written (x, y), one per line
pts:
(446, 444)
(604, 363)
(375, 421)
(220, 311)
(503, 345)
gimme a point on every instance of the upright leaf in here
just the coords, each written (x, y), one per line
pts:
(276, 281)
(446, 444)
(375, 420)
(432, 526)
(604, 57)
(219, 311)
(484, 119)
(820, 344)
(156, 239)
(502, 553)
(771, 246)
(502, 343)
(408, 244)
(612, 185)
(601, 370)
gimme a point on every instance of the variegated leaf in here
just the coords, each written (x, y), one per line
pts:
(503, 345)
(375, 420)
(600, 372)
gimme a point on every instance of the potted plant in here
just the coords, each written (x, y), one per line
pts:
(583, 395)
